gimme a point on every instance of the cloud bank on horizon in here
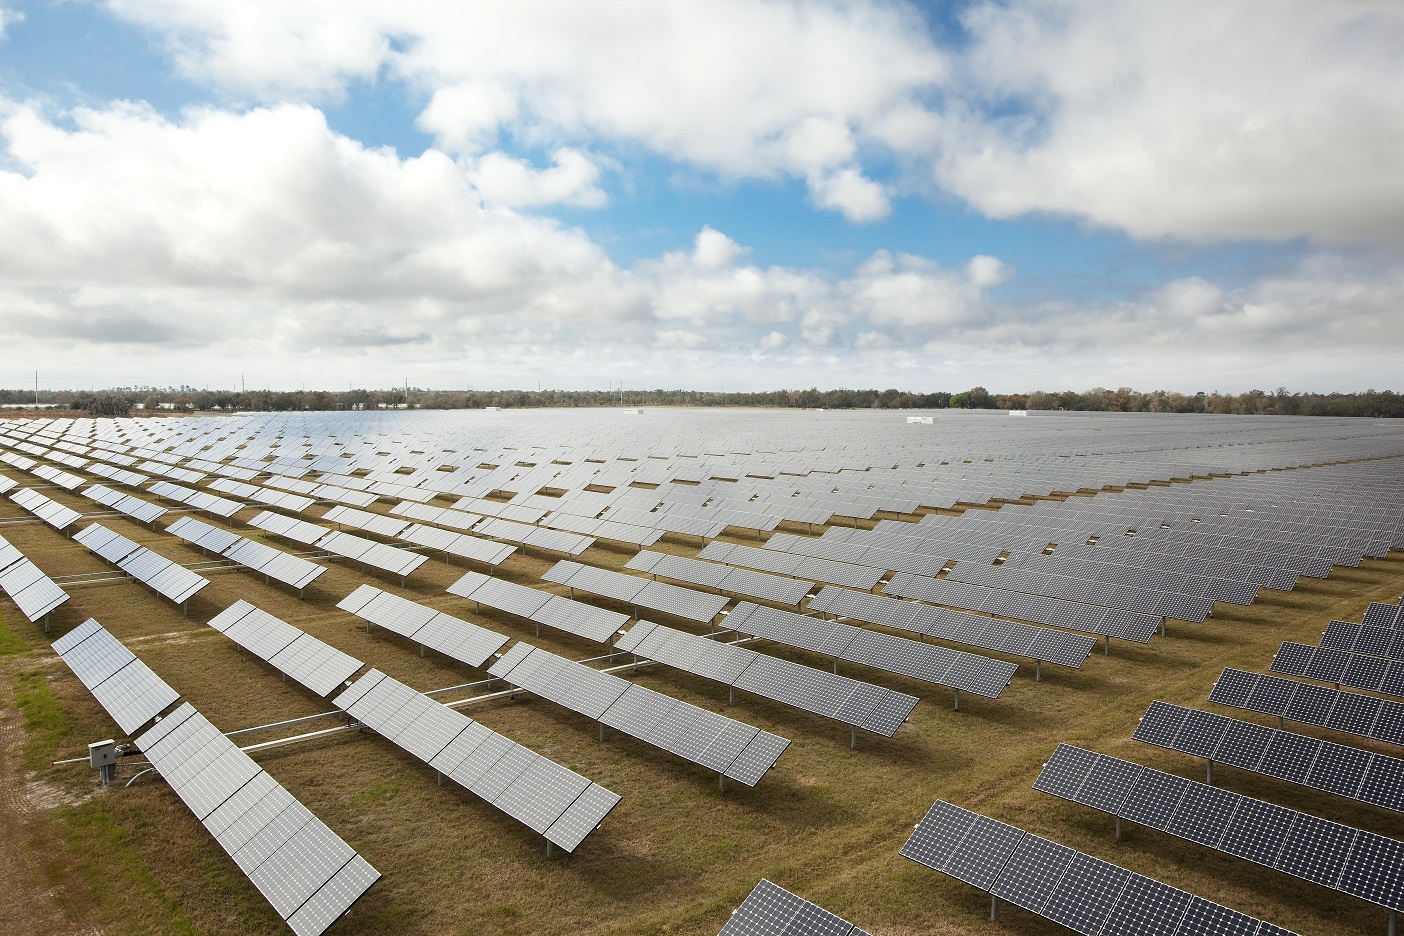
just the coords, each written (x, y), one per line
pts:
(1034, 194)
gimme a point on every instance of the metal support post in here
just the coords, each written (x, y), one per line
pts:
(421, 651)
(853, 737)
(1162, 627)
(835, 665)
(1390, 930)
(438, 778)
(601, 731)
(957, 700)
(730, 695)
(550, 848)
(994, 908)
(1118, 828)
(721, 782)
(1209, 771)
(1106, 648)
(1038, 671)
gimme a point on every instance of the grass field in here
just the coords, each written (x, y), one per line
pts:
(676, 855)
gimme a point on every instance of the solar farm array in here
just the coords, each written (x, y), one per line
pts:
(588, 623)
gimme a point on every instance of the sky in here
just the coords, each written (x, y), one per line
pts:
(730, 195)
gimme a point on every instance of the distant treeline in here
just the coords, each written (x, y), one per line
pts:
(123, 401)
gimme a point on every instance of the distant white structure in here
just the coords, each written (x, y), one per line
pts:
(923, 420)
(631, 411)
(1018, 412)
(492, 409)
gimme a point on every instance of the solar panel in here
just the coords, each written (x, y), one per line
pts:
(731, 748)
(200, 500)
(1342, 667)
(572, 544)
(737, 581)
(290, 527)
(770, 910)
(1126, 625)
(1074, 889)
(389, 558)
(1323, 765)
(134, 507)
(954, 668)
(274, 563)
(541, 607)
(449, 635)
(1295, 843)
(207, 537)
(977, 630)
(170, 580)
(805, 567)
(873, 708)
(50, 511)
(1382, 719)
(306, 871)
(365, 520)
(549, 799)
(458, 544)
(33, 592)
(130, 692)
(314, 664)
(106, 543)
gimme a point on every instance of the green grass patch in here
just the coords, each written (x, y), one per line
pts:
(379, 791)
(10, 644)
(44, 721)
(111, 868)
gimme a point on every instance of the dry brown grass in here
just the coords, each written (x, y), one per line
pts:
(675, 856)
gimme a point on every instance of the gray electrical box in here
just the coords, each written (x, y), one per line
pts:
(102, 753)
(103, 756)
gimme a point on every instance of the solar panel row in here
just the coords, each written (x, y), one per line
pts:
(573, 617)
(640, 592)
(796, 566)
(33, 592)
(449, 635)
(976, 630)
(1341, 667)
(957, 669)
(284, 500)
(316, 665)
(1069, 887)
(1337, 856)
(200, 500)
(770, 910)
(274, 563)
(1364, 638)
(725, 578)
(168, 578)
(729, 747)
(134, 507)
(850, 701)
(547, 798)
(1122, 597)
(1323, 765)
(1074, 615)
(305, 870)
(1350, 712)
(50, 511)
(126, 687)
